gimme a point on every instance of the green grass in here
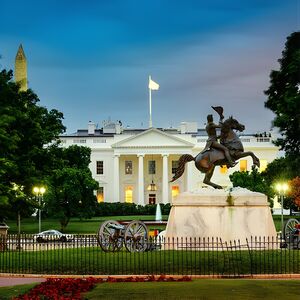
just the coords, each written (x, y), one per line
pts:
(93, 260)
(199, 289)
(8, 292)
(30, 225)
(205, 289)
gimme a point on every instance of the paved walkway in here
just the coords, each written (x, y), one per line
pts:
(9, 281)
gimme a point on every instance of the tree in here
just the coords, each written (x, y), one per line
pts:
(25, 128)
(253, 181)
(284, 96)
(294, 191)
(71, 187)
(282, 169)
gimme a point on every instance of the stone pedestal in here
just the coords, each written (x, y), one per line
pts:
(209, 213)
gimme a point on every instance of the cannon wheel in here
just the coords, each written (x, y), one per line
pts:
(136, 237)
(289, 229)
(109, 239)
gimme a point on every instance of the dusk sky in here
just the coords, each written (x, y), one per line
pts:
(91, 59)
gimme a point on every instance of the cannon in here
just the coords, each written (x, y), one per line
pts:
(112, 236)
(291, 234)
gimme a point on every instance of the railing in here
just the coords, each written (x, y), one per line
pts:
(183, 256)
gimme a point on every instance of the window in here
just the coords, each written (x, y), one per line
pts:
(243, 165)
(99, 141)
(152, 198)
(128, 167)
(263, 165)
(99, 167)
(175, 191)
(129, 194)
(223, 169)
(151, 167)
(100, 194)
(174, 166)
(79, 141)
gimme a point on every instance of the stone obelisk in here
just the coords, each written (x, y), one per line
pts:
(21, 69)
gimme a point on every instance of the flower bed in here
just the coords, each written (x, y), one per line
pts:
(72, 288)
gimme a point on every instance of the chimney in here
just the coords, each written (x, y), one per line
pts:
(91, 128)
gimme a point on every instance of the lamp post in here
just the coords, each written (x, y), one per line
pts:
(39, 192)
(281, 189)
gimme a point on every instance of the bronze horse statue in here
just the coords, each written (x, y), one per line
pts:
(206, 161)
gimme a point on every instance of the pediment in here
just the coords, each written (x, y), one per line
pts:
(152, 138)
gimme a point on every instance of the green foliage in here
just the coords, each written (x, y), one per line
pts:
(282, 169)
(129, 209)
(284, 95)
(253, 181)
(71, 186)
(25, 128)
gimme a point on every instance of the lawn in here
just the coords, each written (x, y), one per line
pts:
(8, 292)
(200, 289)
(85, 226)
(92, 260)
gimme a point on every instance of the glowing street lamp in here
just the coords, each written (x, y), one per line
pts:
(281, 189)
(39, 192)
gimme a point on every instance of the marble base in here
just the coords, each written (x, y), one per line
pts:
(209, 213)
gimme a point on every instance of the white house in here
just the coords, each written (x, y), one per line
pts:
(126, 161)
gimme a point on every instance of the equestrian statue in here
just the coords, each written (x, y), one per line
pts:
(226, 152)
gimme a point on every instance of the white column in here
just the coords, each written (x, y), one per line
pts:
(165, 181)
(141, 200)
(116, 179)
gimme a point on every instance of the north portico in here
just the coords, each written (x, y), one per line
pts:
(148, 157)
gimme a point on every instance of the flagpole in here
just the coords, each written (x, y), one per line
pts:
(150, 105)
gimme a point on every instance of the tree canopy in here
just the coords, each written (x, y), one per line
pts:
(253, 181)
(71, 187)
(25, 129)
(284, 96)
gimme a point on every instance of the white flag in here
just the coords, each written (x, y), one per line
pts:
(153, 85)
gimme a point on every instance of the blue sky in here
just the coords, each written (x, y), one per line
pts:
(91, 59)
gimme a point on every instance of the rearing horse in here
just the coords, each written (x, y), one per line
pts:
(205, 162)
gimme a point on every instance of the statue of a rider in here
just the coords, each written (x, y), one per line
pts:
(212, 141)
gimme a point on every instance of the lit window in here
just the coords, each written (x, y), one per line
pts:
(99, 167)
(223, 169)
(152, 198)
(151, 167)
(174, 166)
(175, 190)
(100, 194)
(263, 165)
(129, 194)
(243, 165)
(128, 167)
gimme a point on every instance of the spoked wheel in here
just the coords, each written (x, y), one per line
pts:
(290, 231)
(136, 237)
(109, 236)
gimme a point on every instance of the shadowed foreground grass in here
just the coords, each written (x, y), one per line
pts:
(8, 292)
(199, 289)
(204, 289)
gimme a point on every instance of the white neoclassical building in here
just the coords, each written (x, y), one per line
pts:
(127, 161)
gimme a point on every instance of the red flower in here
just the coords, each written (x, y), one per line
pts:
(71, 288)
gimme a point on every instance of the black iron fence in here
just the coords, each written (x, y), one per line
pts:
(81, 254)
